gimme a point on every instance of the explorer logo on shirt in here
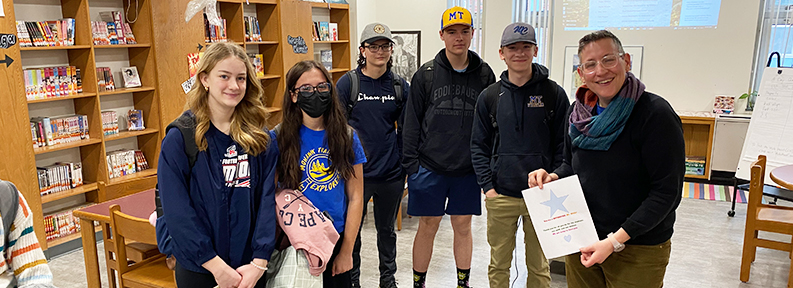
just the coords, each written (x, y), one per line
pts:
(236, 171)
(316, 163)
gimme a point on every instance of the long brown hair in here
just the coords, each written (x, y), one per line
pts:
(248, 122)
(337, 136)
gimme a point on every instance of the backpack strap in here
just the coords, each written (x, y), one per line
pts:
(492, 94)
(9, 204)
(355, 88)
(396, 81)
(429, 73)
(186, 125)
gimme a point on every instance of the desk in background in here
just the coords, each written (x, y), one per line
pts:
(138, 205)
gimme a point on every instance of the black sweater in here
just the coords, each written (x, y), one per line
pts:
(637, 183)
(437, 132)
(526, 142)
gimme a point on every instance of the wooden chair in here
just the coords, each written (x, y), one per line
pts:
(763, 217)
(149, 273)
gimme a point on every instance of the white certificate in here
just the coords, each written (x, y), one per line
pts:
(560, 217)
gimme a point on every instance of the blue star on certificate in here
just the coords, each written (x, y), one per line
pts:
(555, 203)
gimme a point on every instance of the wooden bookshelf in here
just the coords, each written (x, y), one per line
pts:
(52, 48)
(133, 176)
(85, 188)
(20, 157)
(79, 95)
(340, 14)
(698, 135)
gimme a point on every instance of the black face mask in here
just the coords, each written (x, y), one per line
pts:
(315, 103)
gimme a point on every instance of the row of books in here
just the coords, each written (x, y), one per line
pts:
(59, 177)
(105, 79)
(324, 31)
(62, 224)
(107, 33)
(109, 123)
(45, 33)
(252, 32)
(50, 82)
(125, 162)
(258, 63)
(214, 33)
(48, 131)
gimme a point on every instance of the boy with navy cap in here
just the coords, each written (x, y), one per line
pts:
(436, 140)
(518, 127)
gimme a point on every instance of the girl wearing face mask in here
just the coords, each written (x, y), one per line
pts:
(321, 156)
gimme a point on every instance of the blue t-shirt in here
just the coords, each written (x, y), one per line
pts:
(599, 109)
(325, 188)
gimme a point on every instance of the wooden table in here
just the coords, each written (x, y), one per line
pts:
(138, 205)
(783, 176)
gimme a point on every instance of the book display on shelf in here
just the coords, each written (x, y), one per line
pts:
(125, 162)
(131, 77)
(112, 30)
(62, 224)
(252, 32)
(105, 79)
(51, 82)
(109, 123)
(46, 33)
(59, 177)
(324, 34)
(333, 29)
(58, 130)
(258, 63)
(135, 120)
(326, 58)
(214, 33)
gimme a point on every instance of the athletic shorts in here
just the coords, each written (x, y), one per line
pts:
(429, 191)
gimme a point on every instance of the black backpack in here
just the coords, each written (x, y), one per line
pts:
(493, 93)
(186, 125)
(355, 88)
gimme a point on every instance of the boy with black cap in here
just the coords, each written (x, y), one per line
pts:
(374, 97)
(518, 127)
(436, 139)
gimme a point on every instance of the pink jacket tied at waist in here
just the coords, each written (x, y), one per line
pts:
(307, 228)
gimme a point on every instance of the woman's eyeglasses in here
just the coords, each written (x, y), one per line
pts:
(608, 62)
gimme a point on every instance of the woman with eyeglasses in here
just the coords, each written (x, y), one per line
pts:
(321, 156)
(374, 97)
(626, 145)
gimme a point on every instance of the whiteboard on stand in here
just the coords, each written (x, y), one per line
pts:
(770, 131)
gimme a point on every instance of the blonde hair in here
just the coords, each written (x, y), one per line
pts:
(248, 122)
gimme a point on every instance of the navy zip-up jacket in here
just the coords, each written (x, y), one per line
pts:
(373, 117)
(207, 218)
(437, 133)
(526, 141)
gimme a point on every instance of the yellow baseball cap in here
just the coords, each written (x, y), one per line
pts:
(456, 15)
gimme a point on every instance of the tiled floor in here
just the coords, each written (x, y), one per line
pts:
(706, 252)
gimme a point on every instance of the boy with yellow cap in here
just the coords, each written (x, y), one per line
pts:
(436, 144)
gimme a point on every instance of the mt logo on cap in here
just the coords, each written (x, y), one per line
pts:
(456, 15)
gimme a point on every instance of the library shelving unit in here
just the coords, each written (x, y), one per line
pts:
(335, 13)
(698, 135)
(176, 38)
(20, 158)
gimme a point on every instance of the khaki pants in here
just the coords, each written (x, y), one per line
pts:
(503, 213)
(636, 266)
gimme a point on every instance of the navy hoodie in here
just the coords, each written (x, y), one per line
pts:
(437, 133)
(373, 117)
(224, 206)
(526, 141)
